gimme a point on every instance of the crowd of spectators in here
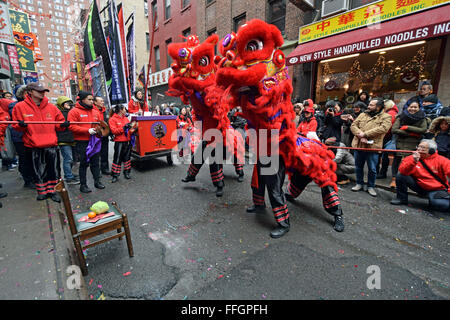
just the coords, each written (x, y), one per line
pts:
(422, 123)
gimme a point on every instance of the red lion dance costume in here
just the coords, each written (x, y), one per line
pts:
(194, 73)
(255, 76)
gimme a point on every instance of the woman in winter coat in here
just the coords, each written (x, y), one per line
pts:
(123, 132)
(137, 103)
(184, 126)
(409, 127)
(439, 133)
(391, 109)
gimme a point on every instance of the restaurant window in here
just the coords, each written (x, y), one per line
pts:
(185, 3)
(239, 21)
(392, 73)
(277, 14)
(209, 33)
(186, 33)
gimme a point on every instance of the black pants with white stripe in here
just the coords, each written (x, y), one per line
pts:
(274, 184)
(215, 169)
(330, 198)
(44, 166)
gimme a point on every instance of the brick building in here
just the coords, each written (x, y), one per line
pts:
(174, 18)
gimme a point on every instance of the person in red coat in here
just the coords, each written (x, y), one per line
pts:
(3, 117)
(308, 122)
(137, 103)
(413, 173)
(40, 139)
(122, 130)
(84, 111)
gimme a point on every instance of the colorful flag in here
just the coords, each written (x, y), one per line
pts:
(142, 77)
(14, 59)
(131, 55)
(95, 42)
(98, 80)
(124, 46)
(119, 92)
(20, 23)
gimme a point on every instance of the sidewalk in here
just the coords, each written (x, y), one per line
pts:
(35, 246)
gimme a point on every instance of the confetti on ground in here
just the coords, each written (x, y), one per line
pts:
(101, 297)
(341, 251)
(90, 281)
(126, 274)
(219, 277)
(263, 296)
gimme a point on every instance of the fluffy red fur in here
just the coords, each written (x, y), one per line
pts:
(191, 80)
(265, 98)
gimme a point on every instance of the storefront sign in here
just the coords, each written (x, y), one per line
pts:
(380, 42)
(159, 78)
(5, 72)
(365, 16)
(6, 35)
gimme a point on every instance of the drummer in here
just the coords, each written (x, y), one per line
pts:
(84, 112)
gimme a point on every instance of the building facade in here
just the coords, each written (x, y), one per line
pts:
(387, 48)
(173, 19)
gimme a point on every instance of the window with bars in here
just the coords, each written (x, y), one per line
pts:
(169, 58)
(157, 59)
(239, 21)
(155, 13)
(185, 3)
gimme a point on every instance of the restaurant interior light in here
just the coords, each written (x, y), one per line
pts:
(340, 58)
(398, 47)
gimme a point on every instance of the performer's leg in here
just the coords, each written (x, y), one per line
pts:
(127, 160)
(51, 172)
(297, 183)
(116, 165)
(104, 154)
(80, 148)
(332, 205)
(38, 161)
(216, 171)
(258, 190)
(197, 162)
(277, 198)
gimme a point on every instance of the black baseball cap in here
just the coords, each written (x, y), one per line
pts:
(36, 86)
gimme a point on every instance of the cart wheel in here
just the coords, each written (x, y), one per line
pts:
(169, 159)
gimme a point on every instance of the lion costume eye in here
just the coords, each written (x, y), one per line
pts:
(204, 61)
(254, 45)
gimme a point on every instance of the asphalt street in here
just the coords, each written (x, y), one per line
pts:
(191, 245)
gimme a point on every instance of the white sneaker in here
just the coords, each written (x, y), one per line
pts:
(358, 187)
(372, 192)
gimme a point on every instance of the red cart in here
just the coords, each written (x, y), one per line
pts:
(156, 137)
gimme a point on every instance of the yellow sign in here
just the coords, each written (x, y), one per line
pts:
(364, 16)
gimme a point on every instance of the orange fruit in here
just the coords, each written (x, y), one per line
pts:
(92, 214)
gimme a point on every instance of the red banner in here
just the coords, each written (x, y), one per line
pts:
(14, 59)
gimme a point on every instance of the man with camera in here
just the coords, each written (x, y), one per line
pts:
(425, 172)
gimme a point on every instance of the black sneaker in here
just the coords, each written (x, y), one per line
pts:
(188, 178)
(256, 208)
(114, 179)
(338, 223)
(280, 230)
(54, 197)
(219, 191)
(3, 194)
(397, 202)
(99, 185)
(72, 181)
(85, 189)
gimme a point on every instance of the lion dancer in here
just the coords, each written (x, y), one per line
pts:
(254, 72)
(194, 70)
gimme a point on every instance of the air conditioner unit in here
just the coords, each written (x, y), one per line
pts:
(332, 7)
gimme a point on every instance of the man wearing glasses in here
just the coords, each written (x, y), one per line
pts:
(425, 172)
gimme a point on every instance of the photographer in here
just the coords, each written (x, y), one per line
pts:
(333, 122)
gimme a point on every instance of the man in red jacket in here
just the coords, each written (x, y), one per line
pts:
(413, 173)
(84, 111)
(40, 139)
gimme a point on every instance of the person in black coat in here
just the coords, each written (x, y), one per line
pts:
(332, 126)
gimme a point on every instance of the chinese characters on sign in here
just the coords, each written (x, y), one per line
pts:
(5, 25)
(160, 78)
(20, 23)
(364, 16)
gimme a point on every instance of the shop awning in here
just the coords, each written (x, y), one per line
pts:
(416, 27)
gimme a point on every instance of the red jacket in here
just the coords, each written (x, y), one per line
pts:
(438, 164)
(134, 106)
(3, 117)
(38, 135)
(81, 114)
(116, 124)
(188, 124)
(306, 126)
